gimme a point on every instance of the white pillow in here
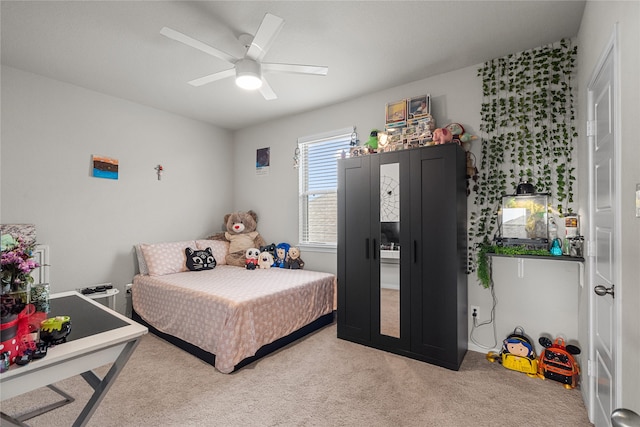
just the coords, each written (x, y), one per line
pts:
(166, 258)
(142, 264)
(220, 249)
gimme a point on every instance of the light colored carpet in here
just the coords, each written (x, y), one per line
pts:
(317, 381)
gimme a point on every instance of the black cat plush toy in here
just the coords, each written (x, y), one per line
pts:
(198, 260)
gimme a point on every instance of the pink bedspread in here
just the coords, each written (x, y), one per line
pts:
(230, 311)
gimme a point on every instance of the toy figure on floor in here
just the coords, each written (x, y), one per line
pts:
(557, 362)
(294, 262)
(518, 353)
(280, 260)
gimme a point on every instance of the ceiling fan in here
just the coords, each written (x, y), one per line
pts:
(248, 70)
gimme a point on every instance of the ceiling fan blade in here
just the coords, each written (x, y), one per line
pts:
(266, 91)
(266, 34)
(296, 69)
(189, 41)
(213, 77)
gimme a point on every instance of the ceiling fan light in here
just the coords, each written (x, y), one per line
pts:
(249, 82)
(248, 75)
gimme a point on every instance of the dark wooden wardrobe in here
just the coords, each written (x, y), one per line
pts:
(402, 250)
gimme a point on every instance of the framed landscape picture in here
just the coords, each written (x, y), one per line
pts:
(104, 167)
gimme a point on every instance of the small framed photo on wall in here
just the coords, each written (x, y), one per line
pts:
(263, 161)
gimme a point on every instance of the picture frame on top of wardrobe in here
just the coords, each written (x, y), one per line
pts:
(396, 114)
(419, 106)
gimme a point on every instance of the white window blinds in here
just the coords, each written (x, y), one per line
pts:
(318, 185)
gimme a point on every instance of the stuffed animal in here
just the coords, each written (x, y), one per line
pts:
(271, 248)
(472, 172)
(294, 261)
(251, 256)
(372, 143)
(265, 260)
(442, 136)
(281, 255)
(198, 260)
(467, 137)
(241, 234)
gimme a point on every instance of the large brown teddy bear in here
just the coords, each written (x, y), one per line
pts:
(241, 234)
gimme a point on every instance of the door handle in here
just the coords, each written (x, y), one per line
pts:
(601, 290)
(375, 248)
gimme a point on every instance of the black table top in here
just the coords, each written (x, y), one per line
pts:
(86, 318)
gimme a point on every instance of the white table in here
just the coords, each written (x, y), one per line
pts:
(115, 340)
(110, 294)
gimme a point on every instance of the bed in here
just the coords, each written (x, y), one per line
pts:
(228, 316)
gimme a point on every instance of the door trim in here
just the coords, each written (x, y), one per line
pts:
(611, 48)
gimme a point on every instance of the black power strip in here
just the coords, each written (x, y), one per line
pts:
(96, 289)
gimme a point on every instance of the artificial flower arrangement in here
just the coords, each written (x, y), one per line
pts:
(17, 264)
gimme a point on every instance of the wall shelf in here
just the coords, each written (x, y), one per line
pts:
(543, 257)
(540, 296)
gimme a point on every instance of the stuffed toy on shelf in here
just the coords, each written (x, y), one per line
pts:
(442, 136)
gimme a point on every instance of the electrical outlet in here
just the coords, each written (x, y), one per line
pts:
(474, 309)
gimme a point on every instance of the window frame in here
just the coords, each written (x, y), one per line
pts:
(346, 136)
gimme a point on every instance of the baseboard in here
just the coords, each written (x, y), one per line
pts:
(478, 349)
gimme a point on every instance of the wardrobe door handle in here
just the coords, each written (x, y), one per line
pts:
(415, 251)
(374, 249)
(366, 248)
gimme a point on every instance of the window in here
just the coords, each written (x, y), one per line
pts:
(318, 186)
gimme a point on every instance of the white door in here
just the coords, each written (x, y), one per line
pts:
(603, 210)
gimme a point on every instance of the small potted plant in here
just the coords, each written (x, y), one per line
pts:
(17, 265)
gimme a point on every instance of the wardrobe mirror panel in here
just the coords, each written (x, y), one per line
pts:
(390, 249)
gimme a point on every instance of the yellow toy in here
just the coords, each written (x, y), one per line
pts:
(55, 329)
(518, 354)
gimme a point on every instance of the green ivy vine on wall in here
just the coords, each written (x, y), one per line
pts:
(527, 122)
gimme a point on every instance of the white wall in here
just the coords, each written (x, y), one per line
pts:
(540, 295)
(51, 129)
(595, 32)
(456, 97)
(91, 224)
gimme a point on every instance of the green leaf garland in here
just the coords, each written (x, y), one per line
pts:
(528, 127)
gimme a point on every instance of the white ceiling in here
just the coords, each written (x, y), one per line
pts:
(114, 47)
